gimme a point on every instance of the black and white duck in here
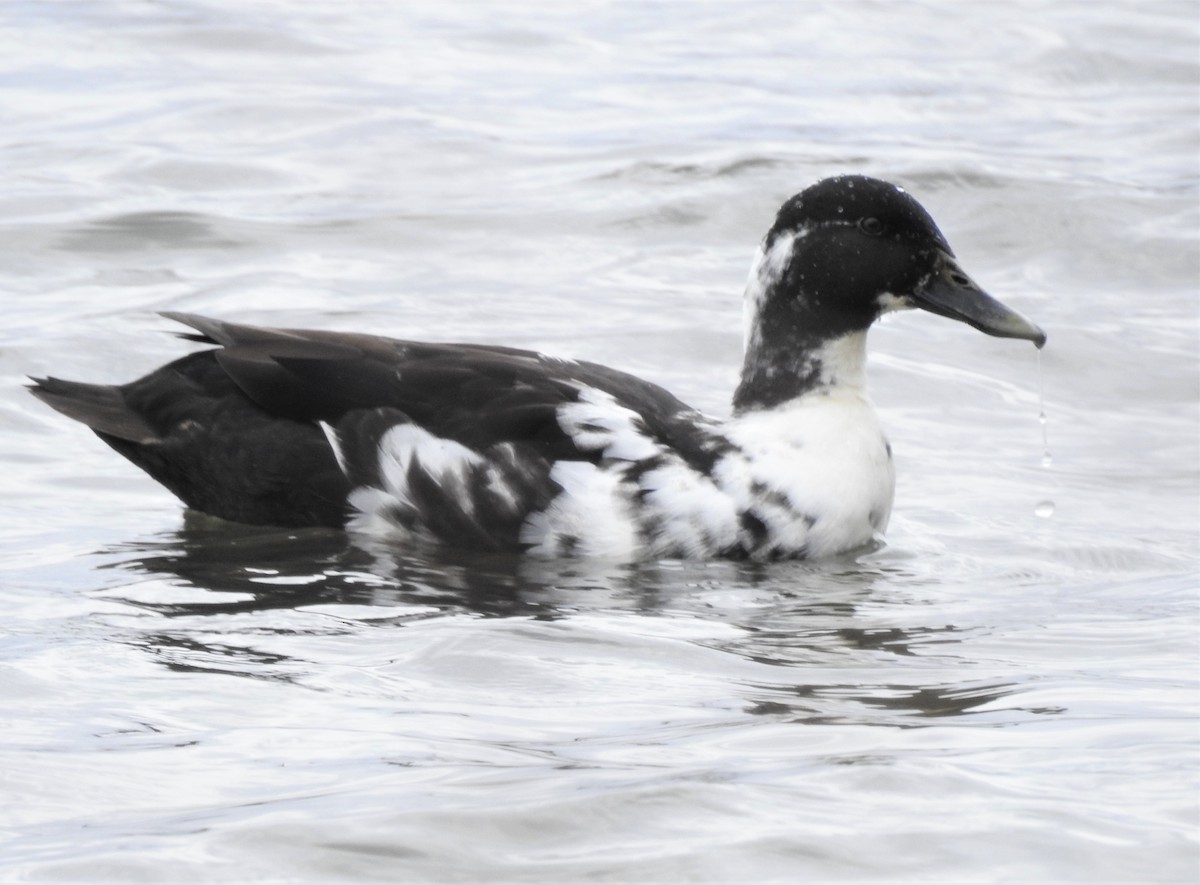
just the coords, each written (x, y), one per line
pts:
(497, 448)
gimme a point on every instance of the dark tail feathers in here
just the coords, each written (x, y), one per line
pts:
(99, 406)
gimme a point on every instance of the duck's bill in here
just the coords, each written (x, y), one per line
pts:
(949, 292)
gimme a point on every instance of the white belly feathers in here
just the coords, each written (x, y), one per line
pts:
(810, 478)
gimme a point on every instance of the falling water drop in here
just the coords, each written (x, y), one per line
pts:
(1046, 459)
(1043, 509)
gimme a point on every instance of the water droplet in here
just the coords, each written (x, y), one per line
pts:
(1047, 461)
(1042, 413)
(1044, 509)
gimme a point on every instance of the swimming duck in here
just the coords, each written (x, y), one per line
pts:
(497, 448)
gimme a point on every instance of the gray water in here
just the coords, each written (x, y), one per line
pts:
(995, 695)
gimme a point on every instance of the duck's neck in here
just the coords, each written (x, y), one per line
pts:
(795, 344)
(772, 377)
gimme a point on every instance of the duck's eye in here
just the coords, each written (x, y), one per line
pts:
(872, 226)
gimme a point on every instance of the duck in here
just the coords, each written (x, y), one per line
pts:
(496, 448)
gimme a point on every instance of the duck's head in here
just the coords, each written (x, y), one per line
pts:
(840, 254)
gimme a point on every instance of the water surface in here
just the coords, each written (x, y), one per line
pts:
(993, 696)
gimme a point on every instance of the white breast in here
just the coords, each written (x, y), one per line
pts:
(821, 466)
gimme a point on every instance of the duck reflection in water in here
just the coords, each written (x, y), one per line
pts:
(804, 621)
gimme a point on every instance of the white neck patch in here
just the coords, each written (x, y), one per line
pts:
(765, 272)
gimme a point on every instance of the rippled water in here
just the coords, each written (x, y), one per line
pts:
(996, 695)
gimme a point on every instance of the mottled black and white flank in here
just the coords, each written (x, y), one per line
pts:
(503, 449)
